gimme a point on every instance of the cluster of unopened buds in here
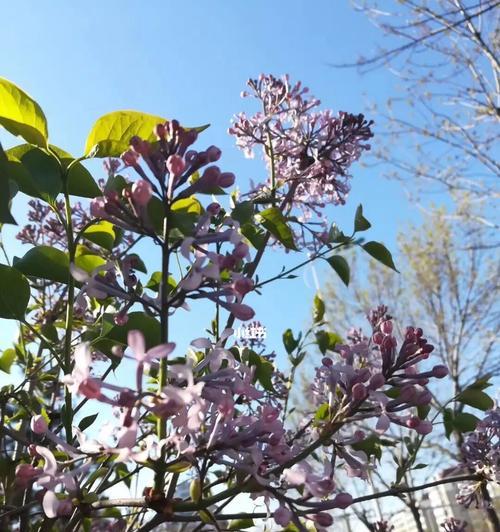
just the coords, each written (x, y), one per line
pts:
(163, 166)
(375, 373)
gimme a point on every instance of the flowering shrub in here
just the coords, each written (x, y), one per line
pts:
(214, 416)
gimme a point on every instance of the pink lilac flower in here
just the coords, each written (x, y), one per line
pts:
(310, 150)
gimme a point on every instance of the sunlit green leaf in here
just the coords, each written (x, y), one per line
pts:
(101, 233)
(110, 136)
(21, 115)
(274, 221)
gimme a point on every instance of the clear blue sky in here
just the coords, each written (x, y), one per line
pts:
(190, 60)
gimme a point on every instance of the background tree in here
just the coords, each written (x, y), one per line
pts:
(449, 283)
(445, 55)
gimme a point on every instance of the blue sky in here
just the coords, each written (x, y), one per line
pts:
(190, 61)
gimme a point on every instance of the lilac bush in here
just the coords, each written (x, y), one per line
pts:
(214, 416)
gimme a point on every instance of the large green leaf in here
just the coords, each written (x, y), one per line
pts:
(36, 173)
(80, 180)
(110, 136)
(44, 262)
(274, 221)
(21, 115)
(14, 293)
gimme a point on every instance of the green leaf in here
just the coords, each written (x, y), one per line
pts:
(243, 212)
(101, 233)
(36, 173)
(87, 421)
(14, 293)
(80, 180)
(7, 191)
(149, 326)
(465, 422)
(184, 214)
(255, 235)
(322, 413)
(44, 262)
(459, 422)
(21, 115)
(327, 341)
(264, 369)
(111, 134)
(341, 267)
(289, 341)
(240, 524)
(476, 398)
(155, 282)
(360, 222)
(379, 252)
(274, 221)
(370, 446)
(318, 309)
(7, 359)
(87, 260)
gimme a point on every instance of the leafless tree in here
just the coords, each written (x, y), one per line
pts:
(443, 126)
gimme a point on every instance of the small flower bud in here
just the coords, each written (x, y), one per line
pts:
(323, 519)
(241, 311)
(213, 154)
(242, 286)
(377, 381)
(38, 424)
(439, 371)
(359, 392)
(210, 177)
(424, 427)
(175, 165)
(130, 158)
(121, 318)
(160, 131)
(241, 250)
(343, 500)
(386, 327)
(214, 209)
(141, 192)
(226, 179)
(413, 422)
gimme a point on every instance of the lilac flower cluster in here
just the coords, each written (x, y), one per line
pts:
(363, 370)
(216, 411)
(481, 454)
(309, 150)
